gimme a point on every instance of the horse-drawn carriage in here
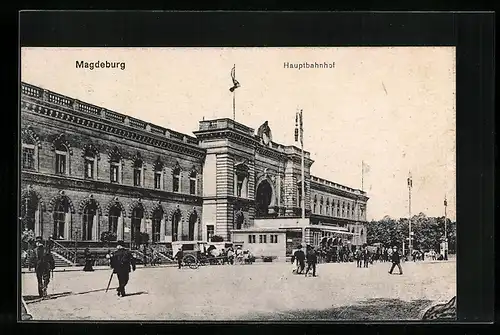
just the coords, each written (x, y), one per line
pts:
(198, 253)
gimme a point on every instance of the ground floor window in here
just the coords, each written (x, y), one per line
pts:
(274, 238)
(262, 238)
(251, 238)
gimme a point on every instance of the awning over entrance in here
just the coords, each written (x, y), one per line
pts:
(336, 230)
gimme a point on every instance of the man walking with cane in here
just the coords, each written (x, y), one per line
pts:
(122, 261)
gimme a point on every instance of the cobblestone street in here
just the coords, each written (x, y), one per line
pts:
(262, 291)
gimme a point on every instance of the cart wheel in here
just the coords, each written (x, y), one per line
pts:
(190, 261)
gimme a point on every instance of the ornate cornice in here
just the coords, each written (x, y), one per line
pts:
(97, 124)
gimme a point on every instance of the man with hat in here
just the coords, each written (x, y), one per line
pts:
(121, 262)
(44, 263)
(312, 259)
(396, 261)
(300, 256)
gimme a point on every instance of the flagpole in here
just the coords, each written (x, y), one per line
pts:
(410, 185)
(362, 174)
(234, 96)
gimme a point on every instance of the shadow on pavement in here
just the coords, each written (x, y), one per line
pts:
(371, 309)
(136, 293)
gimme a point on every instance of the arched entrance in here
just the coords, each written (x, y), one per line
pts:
(192, 223)
(264, 197)
(239, 219)
(176, 219)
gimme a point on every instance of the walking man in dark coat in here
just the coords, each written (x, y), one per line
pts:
(300, 256)
(312, 260)
(396, 261)
(179, 256)
(122, 262)
(44, 263)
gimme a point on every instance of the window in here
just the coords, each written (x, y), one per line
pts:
(241, 178)
(157, 180)
(315, 204)
(192, 183)
(251, 238)
(157, 215)
(114, 214)
(89, 167)
(28, 157)
(59, 220)
(321, 206)
(29, 207)
(138, 172)
(88, 222)
(262, 238)
(113, 173)
(343, 210)
(60, 162)
(176, 179)
(274, 238)
(137, 216)
(210, 232)
(338, 208)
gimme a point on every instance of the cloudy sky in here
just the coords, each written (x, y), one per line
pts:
(393, 108)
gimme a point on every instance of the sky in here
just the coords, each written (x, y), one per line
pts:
(390, 107)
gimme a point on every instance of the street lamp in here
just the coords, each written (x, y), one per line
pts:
(445, 231)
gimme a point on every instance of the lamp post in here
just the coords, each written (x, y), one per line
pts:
(410, 185)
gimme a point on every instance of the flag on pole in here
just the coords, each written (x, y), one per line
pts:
(410, 182)
(366, 167)
(236, 84)
(445, 202)
(296, 126)
(301, 127)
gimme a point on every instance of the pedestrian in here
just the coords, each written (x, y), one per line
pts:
(396, 261)
(230, 256)
(44, 263)
(122, 262)
(366, 257)
(359, 257)
(179, 256)
(300, 257)
(312, 260)
(88, 260)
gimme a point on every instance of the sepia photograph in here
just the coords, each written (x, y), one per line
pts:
(237, 184)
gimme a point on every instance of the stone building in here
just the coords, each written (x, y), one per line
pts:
(86, 170)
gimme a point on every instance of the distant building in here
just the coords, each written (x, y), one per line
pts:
(86, 170)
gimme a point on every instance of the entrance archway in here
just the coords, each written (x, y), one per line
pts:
(192, 223)
(264, 197)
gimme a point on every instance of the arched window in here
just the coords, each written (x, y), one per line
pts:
(321, 205)
(29, 209)
(348, 214)
(90, 162)
(193, 218)
(115, 166)
(315, 204)
(158, 170)
(29, 151)
(138, 166)
(176, 179)
(89, 221)
(62, 159)
(156, 224)
(343, 209)
(176, 219)
(192, 182)
(61, 219)
(353, 215)
(114, 215)
(327, 206)
(241, 178)
(337, 206)
(137, 216)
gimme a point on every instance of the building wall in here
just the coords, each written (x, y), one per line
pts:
(259, 249)
(49, 122)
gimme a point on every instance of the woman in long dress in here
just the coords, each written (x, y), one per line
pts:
(88, 261)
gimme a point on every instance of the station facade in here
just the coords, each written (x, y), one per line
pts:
(86, 170)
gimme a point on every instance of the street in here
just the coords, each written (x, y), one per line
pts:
(261, 291)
